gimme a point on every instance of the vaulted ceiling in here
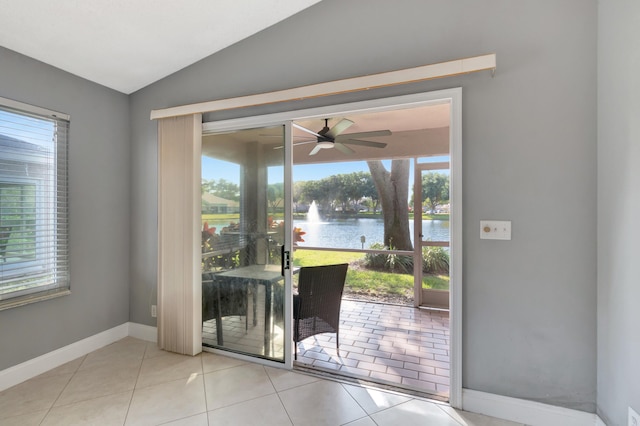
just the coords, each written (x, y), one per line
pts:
(129, 44)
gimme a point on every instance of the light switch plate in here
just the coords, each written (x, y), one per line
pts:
(495, 229)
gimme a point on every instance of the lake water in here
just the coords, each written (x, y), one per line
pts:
(346, 233)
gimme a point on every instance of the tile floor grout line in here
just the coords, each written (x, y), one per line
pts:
(62, 390)
(366, 414)
(204, 384)
(126, 415)
(450, 416)
(284, 407)
(246, 400)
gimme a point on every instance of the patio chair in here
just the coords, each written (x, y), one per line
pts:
(316, 307)
(222, 298)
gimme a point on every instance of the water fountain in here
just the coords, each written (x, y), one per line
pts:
(312, 215)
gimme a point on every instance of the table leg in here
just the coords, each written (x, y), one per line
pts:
(267, 318)
(254, 292)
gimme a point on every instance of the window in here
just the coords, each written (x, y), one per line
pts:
(33, 204)
(17, 222)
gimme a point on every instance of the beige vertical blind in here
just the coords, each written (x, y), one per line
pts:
(179, 253)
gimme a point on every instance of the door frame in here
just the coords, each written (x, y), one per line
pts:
(226, 126)
(452, 96)
(419, 243)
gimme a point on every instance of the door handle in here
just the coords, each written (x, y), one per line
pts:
(282, 260)
(285, 260)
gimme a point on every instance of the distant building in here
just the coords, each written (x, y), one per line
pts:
(213, 204)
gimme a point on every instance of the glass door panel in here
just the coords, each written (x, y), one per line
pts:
(243, 238)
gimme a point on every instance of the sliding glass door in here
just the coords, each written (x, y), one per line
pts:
(245, 242)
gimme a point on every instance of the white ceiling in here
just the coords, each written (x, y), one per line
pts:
(129, 44)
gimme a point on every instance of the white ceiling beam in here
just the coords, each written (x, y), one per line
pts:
(355, 84)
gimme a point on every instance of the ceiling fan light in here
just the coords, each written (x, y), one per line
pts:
(325, 144)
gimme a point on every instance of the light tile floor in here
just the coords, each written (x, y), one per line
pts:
(131, 382)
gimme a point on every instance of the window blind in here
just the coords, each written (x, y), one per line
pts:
(34, 223)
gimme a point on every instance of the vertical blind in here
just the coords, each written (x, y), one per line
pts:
(34, 225)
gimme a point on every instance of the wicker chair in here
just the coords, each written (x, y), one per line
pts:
(316, 307)
(221, 298)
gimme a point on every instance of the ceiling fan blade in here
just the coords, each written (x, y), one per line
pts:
(304, 129)
(296, 144)
(365, 134)
(315, 150)
(340, 127)
(343, 148)
(372, 144)
(280, 136)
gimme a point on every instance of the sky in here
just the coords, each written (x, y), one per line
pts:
(216, 169)
(34, 130)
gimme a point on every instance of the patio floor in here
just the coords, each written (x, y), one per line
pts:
(393, 345)
(390, 344)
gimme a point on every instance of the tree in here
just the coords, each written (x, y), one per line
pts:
(435, 189)
(297, 194)
(275, 195)
(393, 190)
(338, 189)
(369, 190)
(341, 190)
(221, 188)
(358, 186)
(311, 191)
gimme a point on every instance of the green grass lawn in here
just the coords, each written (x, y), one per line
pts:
(436, 216)
(321, 257)
(365, 280)
(232, 217)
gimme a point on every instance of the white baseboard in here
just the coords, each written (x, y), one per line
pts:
(523, 411)
(599, 421)
(36, 366)
(143, 332)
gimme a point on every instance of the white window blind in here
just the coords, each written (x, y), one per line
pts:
(34, 225)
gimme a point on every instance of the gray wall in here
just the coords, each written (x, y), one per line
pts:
(529, 156)
(99, 211)
(618, 209)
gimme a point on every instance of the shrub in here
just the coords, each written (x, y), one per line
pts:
(375, 261)
(435, 260)
(388, 262)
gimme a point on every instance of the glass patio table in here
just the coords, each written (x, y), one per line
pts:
(266, 275)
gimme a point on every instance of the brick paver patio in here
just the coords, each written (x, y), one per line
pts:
(390, 344)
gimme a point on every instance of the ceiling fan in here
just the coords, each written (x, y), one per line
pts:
(332, 137)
